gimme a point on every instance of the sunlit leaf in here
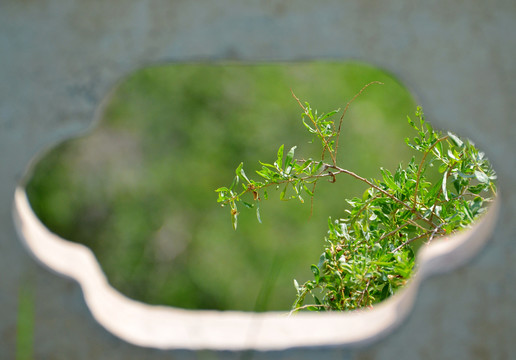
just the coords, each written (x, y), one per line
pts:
(247, 205)
(316, 272)
(258, 216)
(279, 161)
(282, 194)
(290, 156)
(480, 176)
(455, 139)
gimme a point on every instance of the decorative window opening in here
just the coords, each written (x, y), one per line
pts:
(150, 233)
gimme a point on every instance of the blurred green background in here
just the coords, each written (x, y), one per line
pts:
(139, 189)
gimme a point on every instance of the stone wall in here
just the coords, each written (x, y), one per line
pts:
(59, 60)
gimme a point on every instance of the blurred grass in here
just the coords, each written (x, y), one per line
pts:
(25, 322)
(139, 190)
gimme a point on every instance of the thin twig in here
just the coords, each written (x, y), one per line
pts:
(304, 307)
(363, 292)
(366, 205)
(433, 213)
(393, 231)
(421, 166)
(346, 109)
(419, 215)
(332, 174)
(409, 241)
(416, 224)
(312, 199)
(434, 232)
(326, 145)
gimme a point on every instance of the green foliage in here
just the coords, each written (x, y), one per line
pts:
(138, 190)
(370, 253)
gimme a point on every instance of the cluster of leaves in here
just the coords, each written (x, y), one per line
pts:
(370, 252)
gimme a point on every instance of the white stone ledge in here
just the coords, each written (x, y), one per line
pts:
(172, 328)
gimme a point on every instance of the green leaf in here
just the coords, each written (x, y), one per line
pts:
(267, 165)
(445, 190)
(248, 205)
(302, 168)
(411, 122)
(455, 139)
(279, 162)
(290, 157)
(388, 179)
(316, 272)
(443, 167)
(310, 129)
(477, 188)
(317, 167)
(439, 149)
(242, 173)
(308, 191)
(322, 260)
(468, 211)
(264, 174)
(296, 285)
(234, 183)
(325, 116)
(317, 301)
(282, 194)
(234, 219)
(480, 176)
(308, 108)
(258, 216)
(466, 176)
(452, 155)
(239, 169)
(434, 189)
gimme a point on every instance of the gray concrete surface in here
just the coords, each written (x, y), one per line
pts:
(59, 59)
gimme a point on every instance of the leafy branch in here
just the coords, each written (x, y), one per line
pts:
(369, 253)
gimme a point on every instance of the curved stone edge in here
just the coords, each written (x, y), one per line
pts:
(165, 327)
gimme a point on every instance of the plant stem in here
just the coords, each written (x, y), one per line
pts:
(421, 166)
(321, 136)
(415, 212)
(413, 239)
(346, 110)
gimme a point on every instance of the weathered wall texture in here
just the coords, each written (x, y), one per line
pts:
(59, 59)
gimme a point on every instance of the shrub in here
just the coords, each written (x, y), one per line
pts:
(370, 253)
